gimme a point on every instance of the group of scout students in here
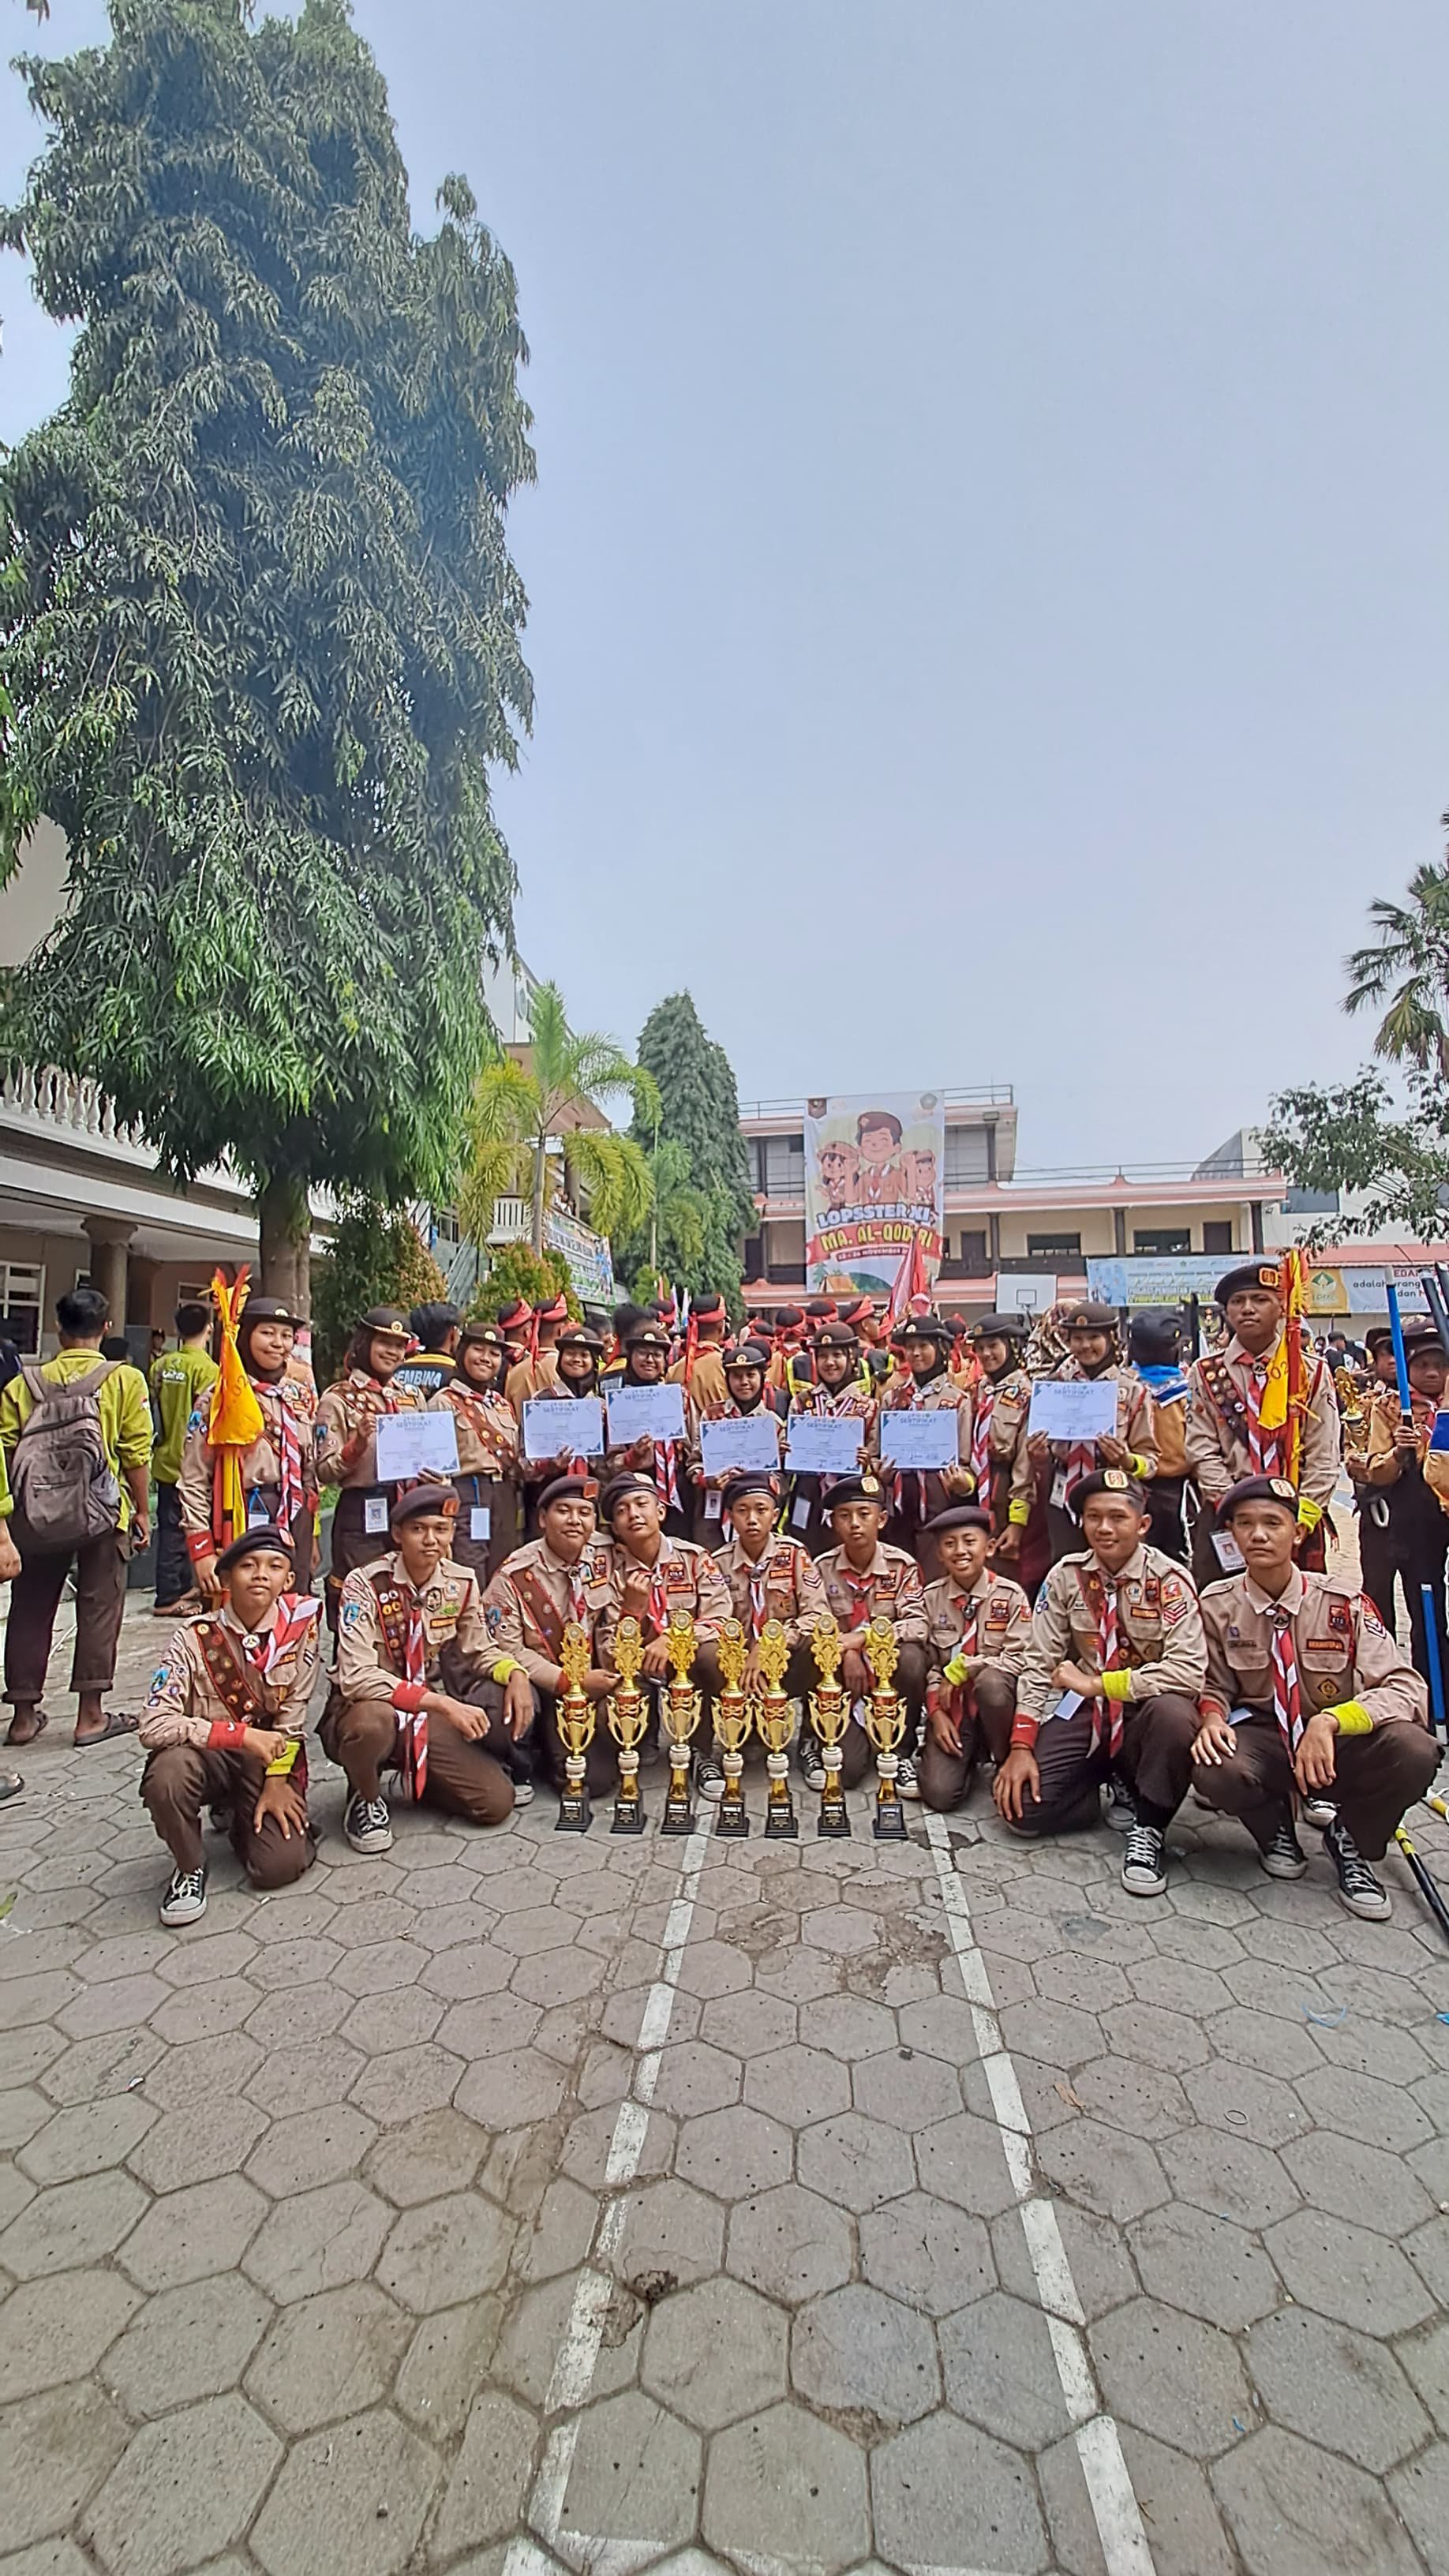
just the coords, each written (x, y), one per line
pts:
(1278, 1693)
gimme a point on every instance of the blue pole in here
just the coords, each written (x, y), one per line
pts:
(1401, 1365)
(1436, 1675)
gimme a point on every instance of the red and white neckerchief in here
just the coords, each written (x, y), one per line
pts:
(1287, 1699)
(414, 1722)
(287, 1442)
(861, 1588)
(981, 1437)
(1265, 1448)
(666, 1475)
(912, 1402)
(286, 1629)
(1107, 1712)
(970, 1609)
(1080, 1461)
(760, 1594)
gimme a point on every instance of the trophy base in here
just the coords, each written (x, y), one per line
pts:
(731, 1823)
(833, 1824)
(890, 1823)
(628, 1817)
(575, 1815)
(678, 1820)
(782, 1825)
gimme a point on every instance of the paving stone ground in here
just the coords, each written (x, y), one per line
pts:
(336, 2235)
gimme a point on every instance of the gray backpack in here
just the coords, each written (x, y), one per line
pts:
(65, 1488)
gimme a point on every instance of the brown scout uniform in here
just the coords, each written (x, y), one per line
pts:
(374, 1704)
(682, 1577)
(532, 1598)
(1068, 1461)
(530, 1378)
(999, 1410)
(706, 1498)
(920, 1497)
(1160, 1648)
(489, 1473)
(890, 1588)
(989, 1629)
(785, 1585)
(261, 1468)
(1224, 1391)
(810, 1495)
(214, 1677)
(1344, 1654)
(346, 1437)
(704, 1384)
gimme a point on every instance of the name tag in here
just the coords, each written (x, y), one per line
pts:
(374, 1515)
(480, 1521)
(713, 1506)
(257, 1513)
(800, 1516)
(1058, 1495)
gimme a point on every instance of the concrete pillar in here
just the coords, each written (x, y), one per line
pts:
(109, 1237)
(140, 1286)
(1119, 1230)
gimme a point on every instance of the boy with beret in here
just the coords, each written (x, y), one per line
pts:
(1238, 1412)
(980, 1626)
(558, 1580)
(864, 1580)
(1090, 1332)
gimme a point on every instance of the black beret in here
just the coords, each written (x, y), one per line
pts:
(262, 1534)
(1258, 1489)
(416, 1500)
(1420, 1337)
(1109, 1480)
(959, 1516)
(1249, 1274)
(619, 1486)
(857, 1489)
(569, 1489)
(749, 1480)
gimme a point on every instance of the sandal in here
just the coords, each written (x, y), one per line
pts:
(42, 1721)
(118, 1722)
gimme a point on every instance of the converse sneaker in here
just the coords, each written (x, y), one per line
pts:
(709, 1779)
(812, 1770)
(367, 1825)
(1358, 1889)
(907, 1785)
(1285, 1856)
(1320, 1813)
(522, 1793)
(1121, 1807)
(185, 1898)
(1144, 1863)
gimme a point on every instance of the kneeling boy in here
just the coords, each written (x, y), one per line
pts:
(980, 1628)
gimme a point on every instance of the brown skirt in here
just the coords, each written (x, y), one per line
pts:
(499, 1498)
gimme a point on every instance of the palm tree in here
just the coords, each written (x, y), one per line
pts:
(1409, 965)
(517, 1108)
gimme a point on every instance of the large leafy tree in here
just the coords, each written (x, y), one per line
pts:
(517, 1107)
(260, 632)
(1358, 1135)
(701, 1169)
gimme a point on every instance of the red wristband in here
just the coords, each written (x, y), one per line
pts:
(1024, 1732)
(225, 1735)
(199, 1543)
(409, 1697)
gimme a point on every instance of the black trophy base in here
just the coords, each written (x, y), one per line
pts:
(890, 1821)
(628, 1816)
(832, 1823)
(731, 1820)
(782, 1825)
(575, 1815)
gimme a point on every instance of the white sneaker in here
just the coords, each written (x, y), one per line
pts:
(1144, 1863)
(1121, 1807)
(812, 1772)
(185, 1898)
(1320, 1813)
(907, 1785)
(709, 1779)
(522, 1793)
(367, 1825)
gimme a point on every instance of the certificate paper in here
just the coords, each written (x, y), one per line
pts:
(1074, 1408)
(819, 1446)
(557, 1426)
(923, 1442)
(752, 1441)
(645, 1413)
(416, 1444)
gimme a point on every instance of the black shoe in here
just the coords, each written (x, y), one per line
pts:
(1358, 1889)
(1285, 1856)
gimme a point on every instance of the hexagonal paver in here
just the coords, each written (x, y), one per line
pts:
(445, 2251)
(855, 2162)
(202, 2070)
(850, 2027)
(1348, 2273)
(154, 2516)
(317, 2240)
(489, 2026)
(512, 2091)
(193, 2233)
(734, 2153)
(905, 2091)
(1001, 2371)
(1291, 2507)
(780, 2474)
(1421, 2492)
(1204, 2264)
(1358, 2183)
(329, 2357)
(789, 2243)
(1337, 2388)
(946, 2495)
(91, 2067)
(300, 2014)
(1172, 2375)
(58, 2447)
(963, 2161)
(71, 2224)
(187, 2343)
(1157, 2037)
(354, 2497)
(840, 1931)
(926, 2253)
(669, 2230)
(715, 2353)
(748, 2025)
(858, 2353)
(797, 2085)
(1229, 2176)
(56, 2329)
(426, 2159)
(196, 2145)
(1127, 2094)
(311, 2148)
(1382, 2115)
(86, 2139)
(397, 2087)
(490, 2477)
(299, 2079)
(635, 2473)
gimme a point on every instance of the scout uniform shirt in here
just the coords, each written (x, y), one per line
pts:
(215, 1674)
(1074, 1459)
(370, 1664)
(346, 1434)
(696, 1413)
(179, 1380)
(785, 1585)
(1378, 1466)
(890, 1588)
(848, 1403)
(998, 1454)
(530, 1378)
(1150, 1607)
(989, 1625)
(487, 1427)
(1224, 1441)
(908, 1394)
(682, 1577)
(284, 1458)
(1341, 1651)
(533, 1597)
(125, 1414)
(704, 1382)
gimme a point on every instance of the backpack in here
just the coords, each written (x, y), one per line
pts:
(65, 1487)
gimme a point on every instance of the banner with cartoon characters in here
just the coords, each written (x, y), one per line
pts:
(874, 1181)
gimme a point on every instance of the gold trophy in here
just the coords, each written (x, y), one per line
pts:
(830, 1716)
(575, 1718)
(682, 1709)
(732, 1727)
(628, 1714)
(775, 1725)
(885, 1724)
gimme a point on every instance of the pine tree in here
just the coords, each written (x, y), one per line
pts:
(260, 630)
(708, 1180)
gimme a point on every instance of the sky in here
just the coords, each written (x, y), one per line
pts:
(989, 568)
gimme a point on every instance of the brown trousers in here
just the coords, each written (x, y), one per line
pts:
(463, 1779)
(1155, 1761)
(1379, 1777)
(100, 1581)
(180, 1779)
(985, 1708)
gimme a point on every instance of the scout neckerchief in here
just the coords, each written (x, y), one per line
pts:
(1099, 1591)
(405, 1636)
(970, 1609)
(1287, 1700)
(861, 1588)
(759, 1580)
(578, 1464)
(981, 1436)
(286, 1441)
(1263, 1446)
(363, 1378)
(547, 1617)
(1081, 1455)
(913, 1400)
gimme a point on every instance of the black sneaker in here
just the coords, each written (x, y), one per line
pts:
(1285, 1856)
(1144, 1862)
(367, 1825)
(1358, 1889)
(709, 1778)
(185, 1898)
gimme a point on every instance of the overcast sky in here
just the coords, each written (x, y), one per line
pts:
(990, 599)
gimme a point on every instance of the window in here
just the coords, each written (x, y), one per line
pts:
(1161, 1238)
(1217, 1234)
(965, 1156)
(22, 1304)
(782, 1166)
(1310, 1203)
(1053, 1247)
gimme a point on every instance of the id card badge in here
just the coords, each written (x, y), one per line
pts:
(257, 1513)
(374, 1516)
(1227, 1551)
(480, 1521)
(800, 1516)
(1068, 1704)
(713, 1506)
(1058, 1495)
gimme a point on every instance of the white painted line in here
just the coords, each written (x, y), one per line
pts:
(578, 2354)
(1099, 2445)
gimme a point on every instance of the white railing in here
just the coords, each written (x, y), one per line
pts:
(512, 1220)
(72, 1103)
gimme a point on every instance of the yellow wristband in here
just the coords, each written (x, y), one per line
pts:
(1309, 1512)
(1116, 1686)
(955, 1672)
(1139, 1465)
(1018, 1514)
(505, 1668)
(285, 1761)
(1351, 1718)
